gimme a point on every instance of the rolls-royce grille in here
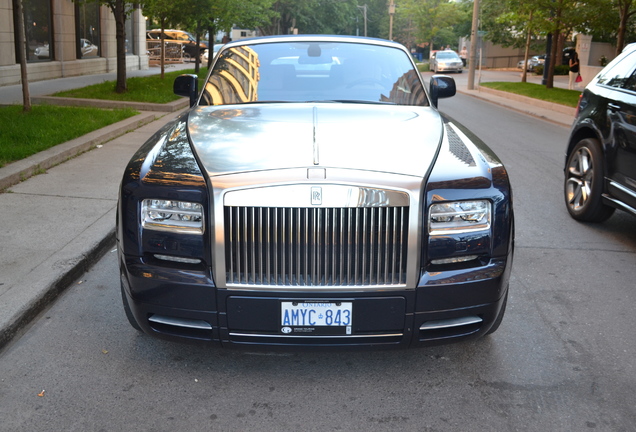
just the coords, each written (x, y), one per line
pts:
(316, 246)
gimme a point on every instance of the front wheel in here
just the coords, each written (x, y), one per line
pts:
(584, 177)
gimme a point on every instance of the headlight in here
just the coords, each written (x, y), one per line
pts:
(459, 217)
(168, 215)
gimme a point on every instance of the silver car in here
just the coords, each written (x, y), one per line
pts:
(446, 61)
(314, 197)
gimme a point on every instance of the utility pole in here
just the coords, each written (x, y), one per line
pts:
(364, 11)
(391, 13)
(474, 34)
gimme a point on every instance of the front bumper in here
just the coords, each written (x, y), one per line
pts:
(186, 306)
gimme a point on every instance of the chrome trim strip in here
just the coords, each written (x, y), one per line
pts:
(622, 188)
(316, 145)
(317, 337)
(299, 195)
(449, 323)
(180, 322)
(620, 204)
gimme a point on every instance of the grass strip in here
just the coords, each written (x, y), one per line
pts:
(150, 89)
(24, 134)
(537, 91)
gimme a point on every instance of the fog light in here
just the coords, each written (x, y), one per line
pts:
(178, 259)
(454, 260)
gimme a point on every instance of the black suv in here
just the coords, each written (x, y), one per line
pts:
(600, 167)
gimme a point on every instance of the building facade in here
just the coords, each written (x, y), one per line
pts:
(66, 38)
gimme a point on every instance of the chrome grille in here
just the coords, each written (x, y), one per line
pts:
(316, 246)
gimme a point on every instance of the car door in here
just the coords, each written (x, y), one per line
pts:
(618, 93)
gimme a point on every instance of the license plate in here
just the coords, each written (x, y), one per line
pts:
(316, 318)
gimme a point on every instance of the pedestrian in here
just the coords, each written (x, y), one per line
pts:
(574, 69)
(463, 54)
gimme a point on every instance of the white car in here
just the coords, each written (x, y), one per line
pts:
(446, 61)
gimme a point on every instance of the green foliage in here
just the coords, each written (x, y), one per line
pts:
(558, 70)
(343, 17)
(434, 20)
(24, 134)
(423, 67)
(537, 91)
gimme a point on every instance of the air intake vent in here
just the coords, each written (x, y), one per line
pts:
(316, 246)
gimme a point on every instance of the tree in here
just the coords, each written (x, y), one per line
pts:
(433, 19)
(626, 10)
(508, 24)
(165, 12)
(22, 53)
(120, 9)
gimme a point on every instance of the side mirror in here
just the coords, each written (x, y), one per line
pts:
(441, 86)
(188, 86)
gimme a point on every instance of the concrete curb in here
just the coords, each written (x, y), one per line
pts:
(139, 106)
(563, 109)
(22, 306)
(562, 116)
(21, 170)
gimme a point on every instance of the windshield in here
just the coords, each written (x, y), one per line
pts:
(447, 55)
(313, 72)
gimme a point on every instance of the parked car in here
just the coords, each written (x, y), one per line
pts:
(313, 196)
(179, 37)
(42, 52)
(600, 167)
(446, 61)
(533, 62)
(88, 48)
(567, 54)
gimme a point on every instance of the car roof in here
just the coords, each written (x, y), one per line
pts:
(315, 38)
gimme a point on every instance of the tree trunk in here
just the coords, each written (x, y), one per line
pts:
(211, 40)
(26, 98)
(524, 75)
(197, 52)
(162, 49)
(118, 7)
(623, 10)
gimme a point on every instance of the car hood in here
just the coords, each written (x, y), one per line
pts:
(393, 139)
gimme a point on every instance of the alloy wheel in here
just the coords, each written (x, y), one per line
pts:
(580, 178)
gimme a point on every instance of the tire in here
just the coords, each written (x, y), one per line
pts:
(500, 316)
(131, 318)
(584, 178)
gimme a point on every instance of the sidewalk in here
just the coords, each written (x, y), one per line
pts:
(58, 223)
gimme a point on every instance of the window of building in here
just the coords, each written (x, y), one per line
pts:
(87, 29)
(38, 30)
(130, 32)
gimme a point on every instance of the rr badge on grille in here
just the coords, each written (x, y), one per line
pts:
(316, 195)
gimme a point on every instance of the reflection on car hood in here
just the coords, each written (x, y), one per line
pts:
(395, 139)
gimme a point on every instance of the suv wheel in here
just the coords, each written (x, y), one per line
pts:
(584, 176)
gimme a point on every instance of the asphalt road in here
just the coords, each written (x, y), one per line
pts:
(563, 360)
